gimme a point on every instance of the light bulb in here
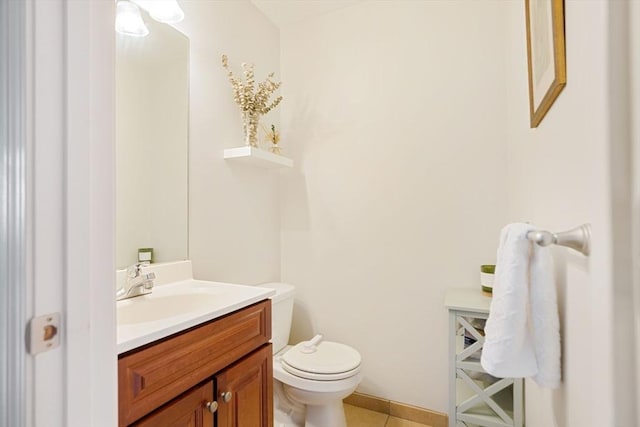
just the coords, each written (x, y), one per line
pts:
(167, 11)
(129, 21)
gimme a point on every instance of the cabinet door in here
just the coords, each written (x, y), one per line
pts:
(153, 375)
(188, 410)
(244, 391)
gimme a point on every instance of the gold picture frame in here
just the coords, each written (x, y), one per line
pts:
(545, 55)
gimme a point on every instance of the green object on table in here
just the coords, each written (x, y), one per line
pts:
(487, 272)
(488, 268)
(145, 255)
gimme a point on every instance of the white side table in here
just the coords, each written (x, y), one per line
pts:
(475, 397)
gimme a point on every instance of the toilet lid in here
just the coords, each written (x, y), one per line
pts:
(330, 361)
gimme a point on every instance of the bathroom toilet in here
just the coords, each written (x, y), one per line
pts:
(310, 378)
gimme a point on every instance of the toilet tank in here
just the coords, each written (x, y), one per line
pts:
(281, 313)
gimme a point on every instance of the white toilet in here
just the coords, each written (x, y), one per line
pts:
(312, 377)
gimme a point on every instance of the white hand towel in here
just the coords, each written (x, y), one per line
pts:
(522, 332)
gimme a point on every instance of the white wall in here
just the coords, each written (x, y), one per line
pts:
(560, 176)
(234, 232)
(408, 122)
(394, 114)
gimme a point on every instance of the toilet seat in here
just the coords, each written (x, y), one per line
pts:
(328, 361)
(293, 380)
(318, 377)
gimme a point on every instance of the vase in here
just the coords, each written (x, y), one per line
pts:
(251, 119)
(275, 149)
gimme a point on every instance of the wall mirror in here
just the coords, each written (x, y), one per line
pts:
(152, 115)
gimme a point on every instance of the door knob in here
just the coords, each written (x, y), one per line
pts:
(226, 396)
(212, 406)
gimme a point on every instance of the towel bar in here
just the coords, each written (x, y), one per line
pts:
(578, 238)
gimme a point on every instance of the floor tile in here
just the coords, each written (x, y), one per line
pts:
(399, 422)
(360, 417)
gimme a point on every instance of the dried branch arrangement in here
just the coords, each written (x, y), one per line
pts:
(245, 93)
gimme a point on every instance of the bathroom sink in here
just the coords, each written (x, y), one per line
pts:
(177, 306)
(149, 308)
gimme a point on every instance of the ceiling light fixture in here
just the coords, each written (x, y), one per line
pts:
(166, 11)
(128, 20)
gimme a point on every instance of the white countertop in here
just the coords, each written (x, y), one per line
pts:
(165, 310)
(467, 300)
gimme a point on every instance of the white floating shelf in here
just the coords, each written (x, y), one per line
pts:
(257, 157)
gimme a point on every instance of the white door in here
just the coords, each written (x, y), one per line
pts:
(58, 185)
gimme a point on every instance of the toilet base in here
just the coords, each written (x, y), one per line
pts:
(321, 400)
(285, 412)
(282, 419)
(322, 409)
(328, 415)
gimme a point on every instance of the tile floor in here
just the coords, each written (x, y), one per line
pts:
(360, 417)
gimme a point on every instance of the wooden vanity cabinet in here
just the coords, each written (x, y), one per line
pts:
(249, 384)
(227, 361)
(188, 410)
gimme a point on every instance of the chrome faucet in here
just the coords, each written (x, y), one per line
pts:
(138, 282)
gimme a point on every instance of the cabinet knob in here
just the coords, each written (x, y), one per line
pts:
(226, 396)
(212, 406)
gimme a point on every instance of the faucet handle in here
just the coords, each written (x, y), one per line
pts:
(148, 280)
(135, 270)
(139, 282)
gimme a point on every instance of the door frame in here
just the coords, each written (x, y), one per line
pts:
(91, 365)
(69, 212)
(13, 213)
